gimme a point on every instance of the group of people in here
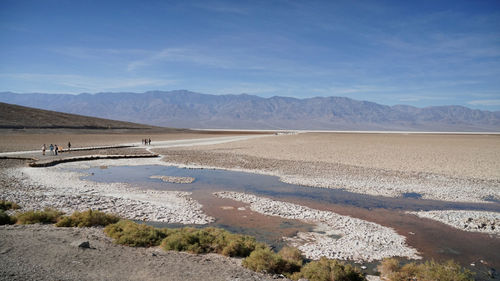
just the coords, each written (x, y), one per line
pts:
(146, 141)
(54, 148)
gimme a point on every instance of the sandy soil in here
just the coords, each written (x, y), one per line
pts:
(471, 156)
(45, 252)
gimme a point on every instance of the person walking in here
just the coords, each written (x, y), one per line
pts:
(56, 148)
(51, 149)
(69, 146)
(44, 147)
(149, 142)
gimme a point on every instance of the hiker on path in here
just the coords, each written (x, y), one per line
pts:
(51, 149)
(44, 147)
(55, 149)
(69, 146)
(149, 142)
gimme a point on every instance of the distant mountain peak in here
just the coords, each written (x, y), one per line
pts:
(183, 108)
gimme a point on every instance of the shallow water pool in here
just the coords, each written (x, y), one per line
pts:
(430, 238)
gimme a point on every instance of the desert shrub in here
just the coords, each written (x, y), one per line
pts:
(87, 219)
(183, 240)
(264, 260)
(328, 270)
(6, 219)
(210, 240)
(391, 270)
(7, 205)
(133, 234)
(447, 271)
(48, 215)
(293, 259)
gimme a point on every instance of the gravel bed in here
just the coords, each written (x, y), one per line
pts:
(341, 237)
(474, 221)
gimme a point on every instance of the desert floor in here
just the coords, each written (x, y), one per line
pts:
(475, 156)
(457, 168)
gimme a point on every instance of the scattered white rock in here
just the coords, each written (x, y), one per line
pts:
(474, 221)
(172, 179)
(63, 189)
(373, 278)
(341, 237)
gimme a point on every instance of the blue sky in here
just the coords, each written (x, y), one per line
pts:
(420, 53)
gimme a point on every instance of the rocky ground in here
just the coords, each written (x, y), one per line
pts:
(45, 252)
(341, 237)
(475, 221)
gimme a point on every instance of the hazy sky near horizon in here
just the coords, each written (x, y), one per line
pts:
(420, 53)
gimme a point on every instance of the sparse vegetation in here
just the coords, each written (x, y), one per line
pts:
(48, 215)
(87, 219)
(6, 219)
(293, 258)
(7, 205)
(129, 233)
(210, 240)
(392, 270)
(264, 260)
(328, 270)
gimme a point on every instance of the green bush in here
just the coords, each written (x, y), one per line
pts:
(48, 215)
(328, 270)
(391, 270)
(133, 234)
(87, 219)
(264, 260)
(293, 259)
(7, 205)
(210, 240)
(6, 219)
(183, 240)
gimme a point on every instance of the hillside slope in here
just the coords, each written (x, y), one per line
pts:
(20, 117)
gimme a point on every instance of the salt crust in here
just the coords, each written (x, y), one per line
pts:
(63, 189)
(474, 221)
(359, 240)
(430, 186)
(172, 179)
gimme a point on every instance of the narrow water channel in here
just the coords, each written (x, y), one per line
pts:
(432, 239)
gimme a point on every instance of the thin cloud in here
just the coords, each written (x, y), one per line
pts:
(179, 55)
(89, 83)
(495, 102)
(221, 7)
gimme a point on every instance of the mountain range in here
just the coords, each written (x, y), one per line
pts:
(185, 109)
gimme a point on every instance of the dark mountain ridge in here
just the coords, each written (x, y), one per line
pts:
(21, 117)
(184, 109)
